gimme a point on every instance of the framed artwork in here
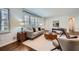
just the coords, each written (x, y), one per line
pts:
(55, 23)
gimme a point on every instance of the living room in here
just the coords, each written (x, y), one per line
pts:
(32, 23)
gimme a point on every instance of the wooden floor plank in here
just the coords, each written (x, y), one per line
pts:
(16, 46)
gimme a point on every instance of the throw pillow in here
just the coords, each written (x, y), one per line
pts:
(34, 30)
(39, 29)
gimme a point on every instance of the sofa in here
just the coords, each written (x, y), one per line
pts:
(35, 32)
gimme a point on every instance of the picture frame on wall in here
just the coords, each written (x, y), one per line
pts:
(55, 23)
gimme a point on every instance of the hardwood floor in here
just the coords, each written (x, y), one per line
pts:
(16, 46)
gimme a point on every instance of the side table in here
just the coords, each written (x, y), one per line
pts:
(21, 36)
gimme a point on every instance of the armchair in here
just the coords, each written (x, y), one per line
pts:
(69, 44)
(53, 38)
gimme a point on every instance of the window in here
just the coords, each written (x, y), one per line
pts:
(31, 20)
(26, 20)
(4, 20)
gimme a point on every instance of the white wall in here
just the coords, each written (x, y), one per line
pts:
(15, 16)
(63, 22)
(77, 24)
(48, 23)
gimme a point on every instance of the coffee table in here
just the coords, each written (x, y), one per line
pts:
(40, 44)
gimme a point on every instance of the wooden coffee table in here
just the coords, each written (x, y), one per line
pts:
(40, 44)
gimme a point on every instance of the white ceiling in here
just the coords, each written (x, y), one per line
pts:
(49, 12)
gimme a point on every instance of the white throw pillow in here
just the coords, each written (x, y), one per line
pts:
(36, 29)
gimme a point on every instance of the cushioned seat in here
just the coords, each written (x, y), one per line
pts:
(69, 44)
(34, 32)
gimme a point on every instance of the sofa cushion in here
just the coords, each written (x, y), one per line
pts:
(36, 29)
(39, 29)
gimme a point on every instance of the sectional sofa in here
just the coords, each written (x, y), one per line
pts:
(35, 32)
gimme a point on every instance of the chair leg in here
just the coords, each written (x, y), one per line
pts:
(53, 49)
(59, 45)
(57, 48)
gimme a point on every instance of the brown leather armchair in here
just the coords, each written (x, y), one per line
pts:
(53, 37)
(50, 36)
